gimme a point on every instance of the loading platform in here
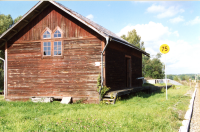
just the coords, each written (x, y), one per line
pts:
(111, 96)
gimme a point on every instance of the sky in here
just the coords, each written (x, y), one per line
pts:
(176, 23)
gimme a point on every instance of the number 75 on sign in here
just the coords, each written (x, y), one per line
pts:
(164, 48)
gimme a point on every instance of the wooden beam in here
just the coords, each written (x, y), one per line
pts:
(14, 30)
(36, 11)
(127, 56)
(57, 39)
(5, 72)
(4, 40)
(26, 21)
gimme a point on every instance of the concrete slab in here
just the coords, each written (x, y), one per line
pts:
(42, 99)
(66, 100)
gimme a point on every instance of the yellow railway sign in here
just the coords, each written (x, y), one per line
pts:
(164, 48)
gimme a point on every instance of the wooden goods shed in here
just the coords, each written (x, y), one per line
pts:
(55, 52)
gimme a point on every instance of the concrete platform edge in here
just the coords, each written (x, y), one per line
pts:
(186, 123)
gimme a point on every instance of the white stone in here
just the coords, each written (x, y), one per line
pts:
(44, 99)
(66, 100)
(183, 129)
(188, 114)
(185, 123)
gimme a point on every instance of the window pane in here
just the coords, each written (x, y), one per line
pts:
(55, 48)
(55, 44)
(46, 34)
(59, 52)
(59, 43)
(45, 43)
(59, 48)
(55, 52)
(57, 34)
(47, 48)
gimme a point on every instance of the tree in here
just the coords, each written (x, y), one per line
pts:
(6, 22)
(150, 68)
(17, 19)
(176, 78)
(134, 38)
(170, 77)
(154, 68)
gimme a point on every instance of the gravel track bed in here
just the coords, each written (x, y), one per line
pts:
(195, 121)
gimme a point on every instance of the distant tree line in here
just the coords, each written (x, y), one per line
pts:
(6, 22)
(182, 77)
(151, 67)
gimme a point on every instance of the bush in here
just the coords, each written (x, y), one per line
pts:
(104, 89)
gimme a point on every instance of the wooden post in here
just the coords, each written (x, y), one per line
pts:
(5, 72)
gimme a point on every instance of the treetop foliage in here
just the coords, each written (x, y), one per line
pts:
(134, 38)
(6, 22)
(152, 68)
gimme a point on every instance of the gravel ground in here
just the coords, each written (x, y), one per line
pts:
(195, 122)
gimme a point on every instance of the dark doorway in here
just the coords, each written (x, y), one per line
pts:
(128, 72)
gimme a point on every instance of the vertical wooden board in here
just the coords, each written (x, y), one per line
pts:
(116, 68)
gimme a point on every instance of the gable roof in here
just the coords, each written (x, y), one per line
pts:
(40, 6)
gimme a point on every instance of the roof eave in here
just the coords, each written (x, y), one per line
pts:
(100, 33)
(3, 38)
(130, 45)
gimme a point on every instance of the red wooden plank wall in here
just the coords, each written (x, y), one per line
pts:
(116, 66)
(74, 75)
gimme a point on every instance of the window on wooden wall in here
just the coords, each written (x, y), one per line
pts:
(46, 34)
(47, 48)
(57, 48)
(51, 45)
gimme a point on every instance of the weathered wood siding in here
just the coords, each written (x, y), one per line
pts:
(74, 75)
(51, 18)
(116, 66)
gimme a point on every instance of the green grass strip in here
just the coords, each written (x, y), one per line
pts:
(140, 112)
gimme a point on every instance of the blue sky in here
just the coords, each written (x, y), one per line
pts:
(176, 23)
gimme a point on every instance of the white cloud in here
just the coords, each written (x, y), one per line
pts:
(177, 19)
(155, 9)
(195, 21)
(164, 12)
(176, 33)
(182, 57)
(90, 16)
(149, 32)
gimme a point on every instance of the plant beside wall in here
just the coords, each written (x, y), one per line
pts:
(104, 88)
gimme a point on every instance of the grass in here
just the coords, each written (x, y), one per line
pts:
(139, 112)
(1, 97)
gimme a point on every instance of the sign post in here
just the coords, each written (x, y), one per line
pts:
(164, 48)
